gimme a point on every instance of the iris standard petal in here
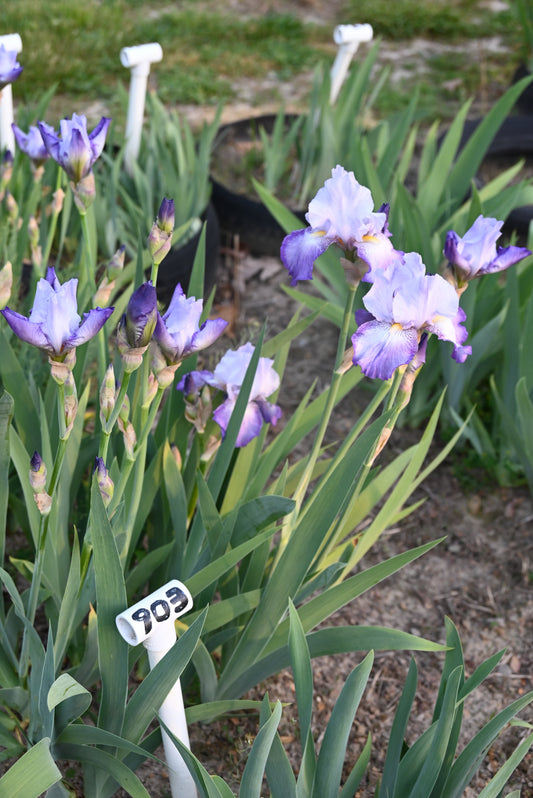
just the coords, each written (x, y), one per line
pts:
(299, 251)
(76, 158)
(379, 348)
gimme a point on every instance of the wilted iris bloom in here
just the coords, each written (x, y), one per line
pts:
(74, 149)
(54, 324)
(179, 333)
(341, 213)
(228, 377)
(32, 144)
(475, 254)
(402, 305)
(10, 68)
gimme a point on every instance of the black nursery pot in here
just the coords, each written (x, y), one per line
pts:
(238, 214)
(176, 267)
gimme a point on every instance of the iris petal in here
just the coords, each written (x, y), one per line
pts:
(379, 348)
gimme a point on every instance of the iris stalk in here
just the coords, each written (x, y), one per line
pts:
(301, 489)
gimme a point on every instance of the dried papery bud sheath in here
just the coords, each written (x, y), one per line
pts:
(60, 369)
(129, 437)
(107, 394)
(160, 238)
(33, 235)
(105, 483)
(84, 192)
(164, 372)
(6, 283)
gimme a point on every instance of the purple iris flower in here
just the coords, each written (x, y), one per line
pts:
(179, 333)
(10, 68)
(475, 254)
(32, 144)
(229, 376)
(74, 149)
(341, 213)
(54, 324)
(402, 305)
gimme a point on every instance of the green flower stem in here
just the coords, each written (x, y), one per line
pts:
(303, 484)
(40, 553)
(53, 222)
(153, 273)
(107, 428)
(331, 399)
(88, 261)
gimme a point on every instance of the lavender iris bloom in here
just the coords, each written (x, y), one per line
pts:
(74, 149)
(10, 68)
(402, 305)
(475, 254)
(341, 213)
(54, 324)
(179, 333)
(32, 144)
(229, 376)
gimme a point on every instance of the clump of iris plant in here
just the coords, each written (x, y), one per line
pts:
(228, 376)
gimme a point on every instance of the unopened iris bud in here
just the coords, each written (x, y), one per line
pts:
(160, 238)
(33, 235)
(124, 412)
(38, 479)
(107, 394)
(71, 404)
(176, 454)
(151, 390)
(6, 170)
(105, 483)
(12, 208)
(102, 296)
(116, 264)
(58, 199)
(38, 473)
(6, 283)
(129, 437)
(141, 315)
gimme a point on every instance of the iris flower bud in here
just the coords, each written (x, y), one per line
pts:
(105, 483)
(160, 238)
